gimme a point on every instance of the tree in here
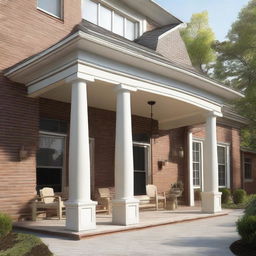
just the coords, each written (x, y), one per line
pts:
(199, 38)
(236, 65)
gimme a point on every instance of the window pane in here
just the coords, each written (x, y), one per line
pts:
(222, 175)
(248, 168)
(118, 25)
(105, 18)
(50, 151)
(196, 163)
(51, 6)
(221, 155)
(90, 11)
(130, 30)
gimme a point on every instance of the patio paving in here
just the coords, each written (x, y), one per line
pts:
(104, 222)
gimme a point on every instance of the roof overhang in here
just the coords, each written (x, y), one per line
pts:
(154, 11)
(124, 52)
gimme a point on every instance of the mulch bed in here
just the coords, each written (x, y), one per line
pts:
(8, 241)
(39, 250)
(241, 249)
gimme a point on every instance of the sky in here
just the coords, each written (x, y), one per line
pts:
(222, 13)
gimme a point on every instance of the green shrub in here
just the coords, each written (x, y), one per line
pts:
(239, 196)
(5, 224)
(225, 197)
(246, 227)
(250, 209)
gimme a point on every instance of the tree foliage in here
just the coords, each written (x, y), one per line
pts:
(236, 65)
(199, 37)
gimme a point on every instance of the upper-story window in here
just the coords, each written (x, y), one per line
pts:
(109, 19)
(52, 7)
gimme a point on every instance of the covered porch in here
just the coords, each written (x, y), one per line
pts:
(86, 73)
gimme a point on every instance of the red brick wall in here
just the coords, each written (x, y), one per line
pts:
(250, 186)
(18, 127)
(25, 31)
(227, 135)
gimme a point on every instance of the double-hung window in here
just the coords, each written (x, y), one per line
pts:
(223, 166)
(197, 163)
(247, 168)
(110, 19)
(52, 7)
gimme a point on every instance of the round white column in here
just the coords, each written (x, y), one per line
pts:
(211, 198)
(125, 207)
(124, 147)
(80, 210)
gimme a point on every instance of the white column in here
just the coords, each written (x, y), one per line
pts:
(211, 198)
(190, 169)
(125, 206)
(80, 210)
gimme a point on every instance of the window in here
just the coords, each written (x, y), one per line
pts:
(248, 168)
(109, 19)
(53, 7)
(197, 163)
(222, 165)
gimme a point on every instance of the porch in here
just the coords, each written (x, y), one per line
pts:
(148, 219)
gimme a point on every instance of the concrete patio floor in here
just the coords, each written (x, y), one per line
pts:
(104, 222)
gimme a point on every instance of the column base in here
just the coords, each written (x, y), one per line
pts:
(211, 202)
(80, 216)
(125, 212)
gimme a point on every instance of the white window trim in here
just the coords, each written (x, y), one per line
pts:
(51, 14)
(125, 15)
(201, 177)
(227, 149)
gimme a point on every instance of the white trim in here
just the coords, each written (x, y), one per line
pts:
(50, 51)
(182, 25)
(190, 169)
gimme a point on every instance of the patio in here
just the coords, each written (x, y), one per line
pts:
(148, 219)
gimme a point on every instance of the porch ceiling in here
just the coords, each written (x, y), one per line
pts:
(170, 113)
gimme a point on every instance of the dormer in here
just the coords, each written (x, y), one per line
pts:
(127, 18)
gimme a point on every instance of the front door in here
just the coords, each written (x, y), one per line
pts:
(141, 168)
(50, 161)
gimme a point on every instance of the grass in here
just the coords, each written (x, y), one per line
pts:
(19, 244)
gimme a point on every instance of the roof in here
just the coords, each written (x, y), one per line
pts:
(150, 38)
(110, 38)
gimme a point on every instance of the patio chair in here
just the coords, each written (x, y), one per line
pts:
(154, 196)
(104, 199)
(47, 200)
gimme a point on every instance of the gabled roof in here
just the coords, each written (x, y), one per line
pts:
(150, 38)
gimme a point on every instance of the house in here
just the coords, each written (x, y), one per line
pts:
(101, 93)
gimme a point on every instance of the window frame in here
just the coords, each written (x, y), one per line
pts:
(200, 163)
(251, 162)
(61, 17)
(226, 147)
(125, 16)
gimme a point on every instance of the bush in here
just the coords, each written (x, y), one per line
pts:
(225, 197)
(250, 209)
(5, 224)
(239, 196)
(246, 227)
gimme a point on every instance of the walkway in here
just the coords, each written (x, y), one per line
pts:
(211, 237)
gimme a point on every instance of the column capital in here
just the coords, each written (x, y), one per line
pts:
(79, 77)
(124, 87)
(213, 114)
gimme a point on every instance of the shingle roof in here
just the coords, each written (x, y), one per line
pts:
(150, 38)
